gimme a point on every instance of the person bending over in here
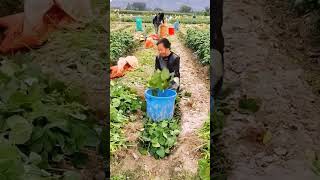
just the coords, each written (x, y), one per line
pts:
(170, 60)
(157, 21)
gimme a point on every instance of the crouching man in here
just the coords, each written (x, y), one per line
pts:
(170, 60)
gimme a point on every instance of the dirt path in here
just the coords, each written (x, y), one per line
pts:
(183, 162)
(289, 110)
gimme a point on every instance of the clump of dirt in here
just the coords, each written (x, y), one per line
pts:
(132, 131)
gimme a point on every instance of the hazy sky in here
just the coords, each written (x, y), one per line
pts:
(164, 4)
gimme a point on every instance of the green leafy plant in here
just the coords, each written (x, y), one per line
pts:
(204, 162)
(159, 81)
(41, 118)
(199, 40)
(123, 98)
(123, 101)
(117, 139)
(182, 18)
(120, 44)
(158, 138)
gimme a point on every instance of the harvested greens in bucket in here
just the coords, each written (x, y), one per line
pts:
(160, 80)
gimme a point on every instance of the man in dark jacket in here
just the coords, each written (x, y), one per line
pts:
(157, 20)
(170, 60)
(217, 49)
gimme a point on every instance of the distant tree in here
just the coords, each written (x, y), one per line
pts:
(185, 9)
(158, 9)
(206, 11)
(139, 6)
(129, 6)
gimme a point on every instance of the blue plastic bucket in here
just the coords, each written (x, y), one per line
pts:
(160, 107)
(176, 26)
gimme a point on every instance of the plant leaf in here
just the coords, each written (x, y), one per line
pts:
(21, 129)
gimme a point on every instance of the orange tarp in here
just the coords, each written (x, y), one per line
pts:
(123, 65)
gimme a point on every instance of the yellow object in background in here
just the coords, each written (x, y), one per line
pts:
(163, 30)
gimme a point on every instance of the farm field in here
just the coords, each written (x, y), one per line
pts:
(180, 149)
(147, 18)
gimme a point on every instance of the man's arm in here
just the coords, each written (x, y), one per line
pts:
(176, 67)
(175, 83)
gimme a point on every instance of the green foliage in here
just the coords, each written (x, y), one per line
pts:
(148, 13)
(42, 118)
(183, 19)
(159, 137)
(159, 81)
(120, 44)
(204, 162)
(138, 6)
(123, 101)
(123, 98)
(199, 41)
(185, 9)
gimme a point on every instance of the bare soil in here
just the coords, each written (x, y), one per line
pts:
(257, 59)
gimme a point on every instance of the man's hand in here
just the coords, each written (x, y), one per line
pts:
(175, 83)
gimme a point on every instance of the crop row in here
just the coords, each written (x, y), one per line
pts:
(199, 41)
(148, 19)
(123, 102)
(121, 43)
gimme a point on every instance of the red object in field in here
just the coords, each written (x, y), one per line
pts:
(149, 43)
(171, 31)
(115, 72)
(123, 65)
(154, 36)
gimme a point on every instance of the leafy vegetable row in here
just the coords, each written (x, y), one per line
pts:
(199, 41)
(158, 138)
(148, 19)
(42, 122)
(123, 102)
(120, 43)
